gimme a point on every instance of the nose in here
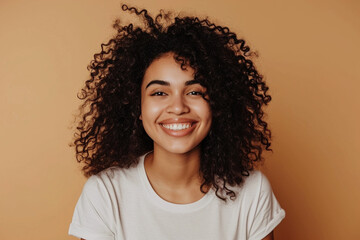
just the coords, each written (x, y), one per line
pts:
(177, 105)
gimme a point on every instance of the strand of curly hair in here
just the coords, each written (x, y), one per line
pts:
(110, 132)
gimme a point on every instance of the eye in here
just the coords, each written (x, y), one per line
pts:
(196, 93)
(158, 93)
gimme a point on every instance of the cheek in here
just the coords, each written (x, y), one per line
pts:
(149, 111)
(203, 111)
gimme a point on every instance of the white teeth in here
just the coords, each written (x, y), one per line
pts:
(177, 127)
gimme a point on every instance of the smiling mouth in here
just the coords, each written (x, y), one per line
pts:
(177, 126)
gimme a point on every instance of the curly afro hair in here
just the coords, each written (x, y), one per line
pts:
(110, 133)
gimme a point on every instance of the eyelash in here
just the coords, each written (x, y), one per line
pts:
(194, 93)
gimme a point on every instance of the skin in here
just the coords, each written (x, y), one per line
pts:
(173, 167)
(270, 236)
(168, 96)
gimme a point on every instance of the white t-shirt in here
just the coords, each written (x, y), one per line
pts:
(120, 204)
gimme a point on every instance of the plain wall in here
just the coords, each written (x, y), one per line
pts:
(308, 52)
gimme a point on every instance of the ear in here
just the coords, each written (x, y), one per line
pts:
(140, 117)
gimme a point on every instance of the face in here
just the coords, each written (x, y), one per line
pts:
(174, 112)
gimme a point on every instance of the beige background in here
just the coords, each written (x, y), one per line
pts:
(309, 52)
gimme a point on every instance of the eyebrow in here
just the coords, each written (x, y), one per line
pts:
(165, 83)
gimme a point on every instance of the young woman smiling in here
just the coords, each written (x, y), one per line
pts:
(171, 130)
(177, 118)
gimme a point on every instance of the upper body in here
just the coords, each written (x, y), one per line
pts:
(188, 93)
(121, 204)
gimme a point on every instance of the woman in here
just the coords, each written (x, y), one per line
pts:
(171, 130)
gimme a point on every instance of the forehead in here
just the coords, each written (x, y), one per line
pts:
(167, 69)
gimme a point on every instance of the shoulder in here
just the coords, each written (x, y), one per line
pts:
(257, 181)
(257, 205)
(265, 211)
(254, 192)
(253, 185)
(110, 180)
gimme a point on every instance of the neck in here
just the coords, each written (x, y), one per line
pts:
(172, 170)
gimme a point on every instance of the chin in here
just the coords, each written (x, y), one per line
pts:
(179, 149)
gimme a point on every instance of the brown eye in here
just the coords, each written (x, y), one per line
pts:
(196, 93)
(158, 94)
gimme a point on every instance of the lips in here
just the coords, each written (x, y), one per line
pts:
(178, 127)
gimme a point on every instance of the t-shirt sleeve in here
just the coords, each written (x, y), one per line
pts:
(267, 211)
(91, 219)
